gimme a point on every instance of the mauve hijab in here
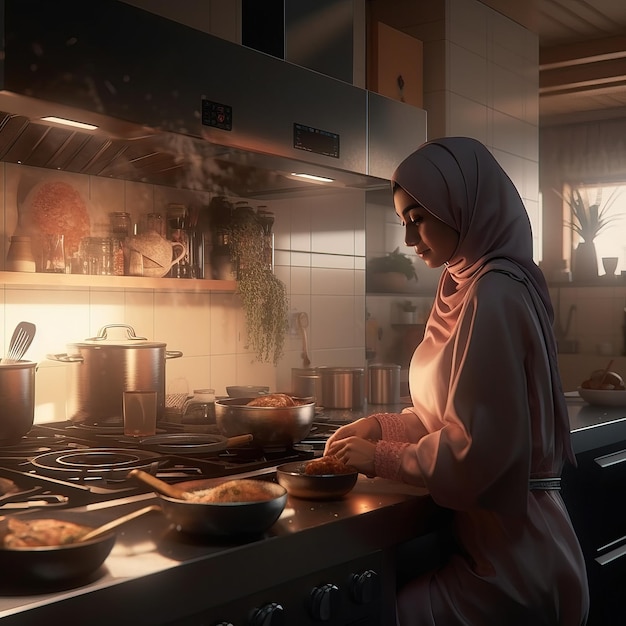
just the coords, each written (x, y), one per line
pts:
(459, 181)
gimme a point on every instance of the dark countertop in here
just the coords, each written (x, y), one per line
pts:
(159, 575)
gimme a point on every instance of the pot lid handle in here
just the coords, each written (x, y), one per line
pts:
(130, 333)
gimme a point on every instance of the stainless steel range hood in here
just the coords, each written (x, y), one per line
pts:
(176, 106)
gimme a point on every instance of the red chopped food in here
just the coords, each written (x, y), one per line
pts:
(328, 464)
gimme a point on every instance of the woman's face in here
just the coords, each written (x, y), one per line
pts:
(433, 241)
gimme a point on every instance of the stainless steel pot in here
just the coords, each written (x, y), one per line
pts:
(102, 368)
(342, 387)
(270, 427)
(17, 400)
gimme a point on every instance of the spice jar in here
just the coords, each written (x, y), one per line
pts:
(20, 255)
(120, 225)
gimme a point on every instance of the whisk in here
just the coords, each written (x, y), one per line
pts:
(20, 341)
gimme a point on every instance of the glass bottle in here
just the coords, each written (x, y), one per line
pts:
(177, 231)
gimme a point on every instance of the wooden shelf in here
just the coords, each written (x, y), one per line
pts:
(35, 279)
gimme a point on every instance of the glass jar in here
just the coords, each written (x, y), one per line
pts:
(120, 225)
(97, 255)
(200, 407)
(154, 221)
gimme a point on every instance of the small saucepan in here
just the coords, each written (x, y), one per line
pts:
(218, 518)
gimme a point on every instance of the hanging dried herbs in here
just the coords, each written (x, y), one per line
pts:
(263, 296)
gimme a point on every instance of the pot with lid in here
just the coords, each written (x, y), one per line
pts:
(102, 368)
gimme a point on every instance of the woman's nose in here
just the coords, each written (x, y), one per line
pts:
(411, 237)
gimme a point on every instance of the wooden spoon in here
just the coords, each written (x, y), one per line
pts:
(109, 526)
(157, 484)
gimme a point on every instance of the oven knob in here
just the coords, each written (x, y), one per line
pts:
(365, 586)
(269, 615)
(324, 602)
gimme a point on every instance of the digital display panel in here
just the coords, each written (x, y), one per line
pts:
(315, 140)
(217, 115)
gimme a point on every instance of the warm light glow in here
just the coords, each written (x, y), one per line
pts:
(321, 179)
(66, 122)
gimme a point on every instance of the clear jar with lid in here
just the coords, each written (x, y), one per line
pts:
(200, 407)
(120, 225)
(97, 255)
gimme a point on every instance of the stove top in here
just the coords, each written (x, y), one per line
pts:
(63, 464)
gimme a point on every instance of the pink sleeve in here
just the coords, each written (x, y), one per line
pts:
(392, 426)
(388, 459)
(388, 455)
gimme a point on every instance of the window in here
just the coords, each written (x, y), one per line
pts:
(611, 241)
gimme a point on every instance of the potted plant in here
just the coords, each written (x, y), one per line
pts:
(264, 298)
(390, 273)
(588, 220)
(408, 312)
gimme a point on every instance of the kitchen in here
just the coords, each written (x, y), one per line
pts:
(319, 254)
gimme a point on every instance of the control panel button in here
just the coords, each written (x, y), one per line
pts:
(365, 587)
(325, 602)
(272, 614)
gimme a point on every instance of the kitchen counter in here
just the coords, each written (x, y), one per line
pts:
(156, 575)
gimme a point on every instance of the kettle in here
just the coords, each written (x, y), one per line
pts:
(157, 254)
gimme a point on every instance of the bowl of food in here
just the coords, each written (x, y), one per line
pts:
(46, 550)
(274, 420)
(603, 397)
(243, 506)
(326, 478)
(603, 388)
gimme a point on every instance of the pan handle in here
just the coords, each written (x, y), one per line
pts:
(173, 354)
(65, 358)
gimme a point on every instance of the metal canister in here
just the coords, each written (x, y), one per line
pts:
(17, 400)
(305, 383)
(342, 387)
(384, 383)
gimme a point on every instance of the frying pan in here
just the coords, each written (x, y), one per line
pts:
(67, 563)
(192, 443)
(215, 518)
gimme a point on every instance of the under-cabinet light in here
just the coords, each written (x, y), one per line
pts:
(66, 122)
(321, 179)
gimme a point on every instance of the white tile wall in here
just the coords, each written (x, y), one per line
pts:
(320, 256)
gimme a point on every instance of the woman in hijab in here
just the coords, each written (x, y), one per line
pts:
(488, 432)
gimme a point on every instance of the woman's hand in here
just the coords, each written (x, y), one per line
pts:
(366, 428)
(355, 444)
(355, 451)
